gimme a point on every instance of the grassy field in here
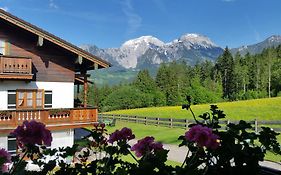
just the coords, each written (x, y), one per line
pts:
(261, 109)
(167, 135)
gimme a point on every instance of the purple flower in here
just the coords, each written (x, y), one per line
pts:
(5, 159)
(5, 156)
(145, 146)
(203, 136)
(32, 133)
(125, 134)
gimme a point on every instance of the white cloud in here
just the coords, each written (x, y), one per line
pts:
(53, 5)
(134, 20)
(4, 8)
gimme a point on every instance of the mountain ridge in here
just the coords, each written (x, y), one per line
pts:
(157, 52)
(148, 50)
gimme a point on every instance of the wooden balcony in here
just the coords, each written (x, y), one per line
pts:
(54, 119)
(12, 67)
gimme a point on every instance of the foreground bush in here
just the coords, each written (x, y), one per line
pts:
(236, 150)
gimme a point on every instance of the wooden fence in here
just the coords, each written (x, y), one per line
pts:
(183, 123)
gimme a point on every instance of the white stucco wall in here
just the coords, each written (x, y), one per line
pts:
(62, 92)
(3, 141)
(62, 138)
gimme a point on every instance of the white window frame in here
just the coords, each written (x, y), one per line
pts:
(2, 47)
(14, 105)
(48, 105)
(11, 151)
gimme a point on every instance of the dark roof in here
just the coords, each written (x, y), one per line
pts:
(52, 38)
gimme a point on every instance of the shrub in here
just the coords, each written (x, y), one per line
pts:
(211, 150)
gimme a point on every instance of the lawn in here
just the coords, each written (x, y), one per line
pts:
(260, 109)
(167, 135)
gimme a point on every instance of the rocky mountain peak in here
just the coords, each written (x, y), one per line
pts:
(191, 39)
(274, 38)
(143, 40)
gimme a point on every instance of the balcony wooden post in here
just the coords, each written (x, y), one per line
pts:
(1, 65)
(85, 90)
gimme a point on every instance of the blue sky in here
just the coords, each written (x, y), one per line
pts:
(109, 23)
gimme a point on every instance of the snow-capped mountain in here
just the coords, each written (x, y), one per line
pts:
(272, 41)
(148, 50)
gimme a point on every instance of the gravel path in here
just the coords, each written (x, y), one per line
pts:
(178, 154)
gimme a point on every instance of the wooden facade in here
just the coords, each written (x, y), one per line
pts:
(49, 62)
(54, 119)
(15, 68)
(30, 54)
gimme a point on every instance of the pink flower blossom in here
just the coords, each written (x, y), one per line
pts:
(203, 136)
(32, 132)
(5, 159)
(145, 146)
(5, 168)
(125, 134)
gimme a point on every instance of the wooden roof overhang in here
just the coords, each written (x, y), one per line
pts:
(81, 81)
(85, 60)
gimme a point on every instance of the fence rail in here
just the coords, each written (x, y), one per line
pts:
(183, 123)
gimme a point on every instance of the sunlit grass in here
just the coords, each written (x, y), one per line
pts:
(169, 135)
(260, 109)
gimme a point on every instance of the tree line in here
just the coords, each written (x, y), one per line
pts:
(229, 78)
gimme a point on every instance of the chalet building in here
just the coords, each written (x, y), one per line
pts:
(38, 74)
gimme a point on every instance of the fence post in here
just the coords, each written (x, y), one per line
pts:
(186, 123)
(171, 122)
(145, 120)
(157, 119)
(256, 126)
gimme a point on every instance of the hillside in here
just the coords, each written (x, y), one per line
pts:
(261, 109)
(149, 52)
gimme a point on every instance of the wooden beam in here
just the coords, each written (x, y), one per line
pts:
(40, 41)
(85, 90)
(96, 66)
(82, 75)
(79, 59)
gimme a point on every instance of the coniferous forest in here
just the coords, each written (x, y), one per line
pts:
(229, 78)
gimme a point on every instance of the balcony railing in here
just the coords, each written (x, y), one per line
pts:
(53, 118)
(12, 67)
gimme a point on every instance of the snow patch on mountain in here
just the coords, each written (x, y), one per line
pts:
(148, 50)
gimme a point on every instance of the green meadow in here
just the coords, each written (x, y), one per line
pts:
(168, 135)
(260, 109)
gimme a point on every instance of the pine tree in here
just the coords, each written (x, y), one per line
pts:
(144, 82)
(226, 67)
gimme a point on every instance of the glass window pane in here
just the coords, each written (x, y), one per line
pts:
(2, 47)
(29, 94)
(20, 95)
(29, 102)
(39, 102)
(12, 145)
(11, 98)
(39, 94)
(48, 98)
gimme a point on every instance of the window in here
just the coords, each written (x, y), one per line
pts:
(30, 99)
(48, 99)
(2, 47)
(11, 99)
(12, 145)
